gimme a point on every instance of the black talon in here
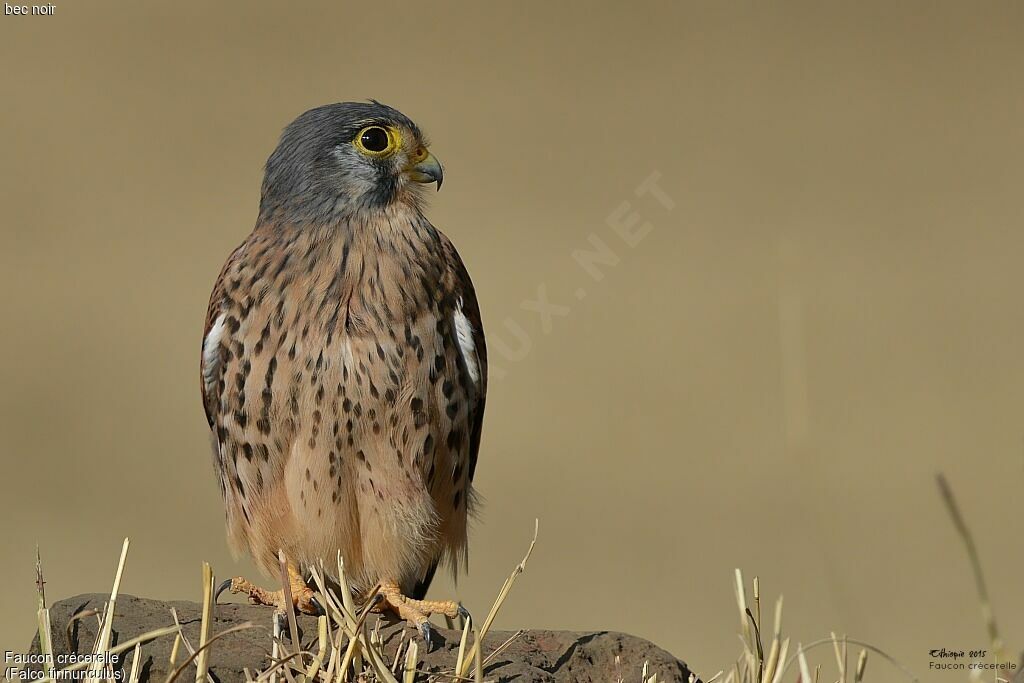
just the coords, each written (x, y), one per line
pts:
(220, 589)
(284, 625)
(319, 610)
(464, 613)
(427, 631)
(281, 619)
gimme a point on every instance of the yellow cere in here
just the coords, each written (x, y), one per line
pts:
(419, 155)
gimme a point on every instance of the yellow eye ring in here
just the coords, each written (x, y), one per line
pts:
(377, 141)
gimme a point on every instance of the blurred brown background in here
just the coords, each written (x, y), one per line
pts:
(770, 379)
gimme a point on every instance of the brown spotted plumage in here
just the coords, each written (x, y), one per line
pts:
(344, 366)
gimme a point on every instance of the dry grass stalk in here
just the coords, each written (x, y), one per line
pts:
(411, 656)
(103, 641)
(193, 652)
(202, 661)
(173, 659)
(275, 651)
(753, 666)
(84, 614)
(501, 648)
(498, 602)
(289, 604)
(133, 676)
(987, 613)
(347, 649)
(862, 661)
(322, 633)
(193, 657)
(43, 619)
(461, 655)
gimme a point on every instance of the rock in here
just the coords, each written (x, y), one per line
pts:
(533, 656)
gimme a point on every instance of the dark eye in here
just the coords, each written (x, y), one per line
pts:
(374, 139)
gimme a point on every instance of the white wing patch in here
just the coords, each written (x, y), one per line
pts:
(464, 332)
(211, 351)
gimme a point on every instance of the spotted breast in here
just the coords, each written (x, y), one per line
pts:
(344, 377)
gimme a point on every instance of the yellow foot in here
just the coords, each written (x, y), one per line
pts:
(416, 612)
(303, 598)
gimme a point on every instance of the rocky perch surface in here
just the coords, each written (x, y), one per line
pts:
(535, 655)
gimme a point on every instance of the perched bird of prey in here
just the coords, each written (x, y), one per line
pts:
(344, 369)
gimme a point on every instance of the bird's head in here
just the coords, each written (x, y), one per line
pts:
(344, 158)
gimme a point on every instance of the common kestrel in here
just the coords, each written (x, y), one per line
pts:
(344, 368)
